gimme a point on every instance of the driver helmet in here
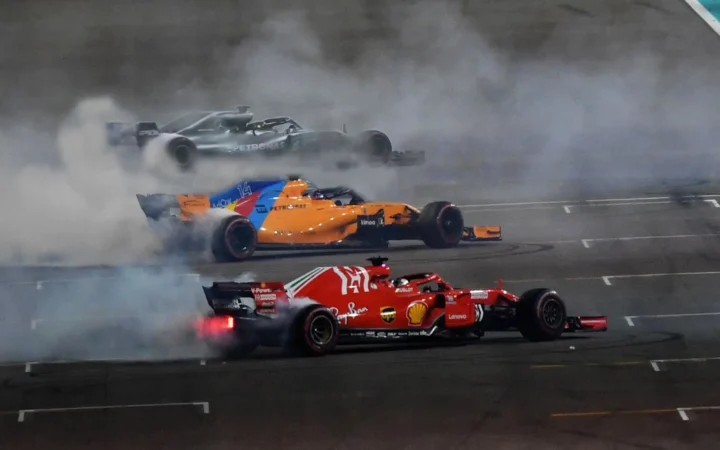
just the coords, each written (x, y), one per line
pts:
(402, 282)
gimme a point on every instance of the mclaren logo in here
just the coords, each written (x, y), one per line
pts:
(416, 313)
(388, 314)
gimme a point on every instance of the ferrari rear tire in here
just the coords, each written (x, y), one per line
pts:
(235, 239)
(441, 225)
(314, 332)
(541, 315)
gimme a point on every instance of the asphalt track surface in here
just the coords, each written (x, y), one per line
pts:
(646, 258)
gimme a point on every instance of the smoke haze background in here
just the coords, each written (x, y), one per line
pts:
(446, 77)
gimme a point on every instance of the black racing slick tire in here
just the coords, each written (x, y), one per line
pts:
(541, 315)
(234, 239)
(182, 152)
(314, 332)
(374, 146)
(441, 225)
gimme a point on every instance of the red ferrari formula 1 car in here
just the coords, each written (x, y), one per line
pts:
(352, 304)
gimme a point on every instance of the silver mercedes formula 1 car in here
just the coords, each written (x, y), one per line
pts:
(234, 133)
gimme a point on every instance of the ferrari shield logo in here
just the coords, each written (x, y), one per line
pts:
(387, 314)
(416, 313)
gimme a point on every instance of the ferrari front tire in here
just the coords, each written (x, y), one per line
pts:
(541, 315)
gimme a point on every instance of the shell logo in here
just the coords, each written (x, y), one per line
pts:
(416, 313)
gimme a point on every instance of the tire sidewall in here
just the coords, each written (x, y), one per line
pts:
(303, 339)
(454, 240)
(542, 301)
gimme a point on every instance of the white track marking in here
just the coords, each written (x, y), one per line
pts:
(630, 319)
(23, 412)
(607, 278)
(580, 202)
(705, 15)
(567, 209)
(713, 202)
(39, 284)
(586, 242)
(683, 414)
(658, 364)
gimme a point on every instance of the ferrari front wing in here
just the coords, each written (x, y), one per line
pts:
(587, 324)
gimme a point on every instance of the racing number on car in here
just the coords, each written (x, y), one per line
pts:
(354, 279)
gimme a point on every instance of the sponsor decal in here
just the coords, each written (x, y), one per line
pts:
(388, 314)
(416, 313)
(264, 294)
(255, 147)
(352, 312)
(458, 317)
(243, 189)
(450, 299)
(479, 312)
(354, 279)
(284, 207)
(262, 209)
(478, 295)
(148, 133)
(405, 289)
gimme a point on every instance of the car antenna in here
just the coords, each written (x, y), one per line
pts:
(344, 129)
(377, 260)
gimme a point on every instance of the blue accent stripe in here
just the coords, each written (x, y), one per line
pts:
(267, 200)
(239, 191)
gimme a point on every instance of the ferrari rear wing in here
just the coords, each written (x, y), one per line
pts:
(587, 324)
(230, 297)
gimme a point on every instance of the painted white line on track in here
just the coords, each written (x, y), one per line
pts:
(23, 412)
(655, 275)
(705, 15)
(606, 280)
(567, 209)
(39, 284)
(659, 364)
(29, 365)
(631, 319)
(603, 200)
(586, 242)
(683, 414)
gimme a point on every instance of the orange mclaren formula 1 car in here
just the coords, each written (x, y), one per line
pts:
(345, 305)
(294, 213)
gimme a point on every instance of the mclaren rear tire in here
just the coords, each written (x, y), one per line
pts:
(234, 239)
(441, 225)
(541, 315)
